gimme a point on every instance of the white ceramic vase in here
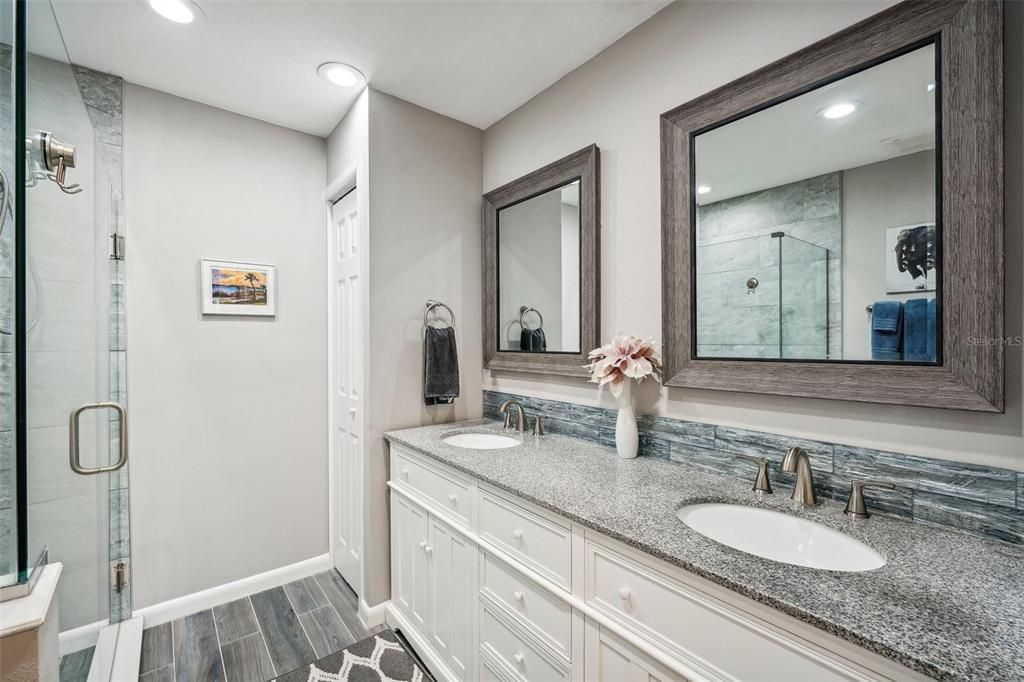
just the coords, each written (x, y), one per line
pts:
(626, 436)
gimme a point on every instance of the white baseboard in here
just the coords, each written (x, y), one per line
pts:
(198, 601)
(82, 637)
(372, 616)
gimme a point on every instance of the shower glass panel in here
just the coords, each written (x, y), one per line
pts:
(8, 458)
(75, 496)
(763, 296)
(803, 277)
(738, 298)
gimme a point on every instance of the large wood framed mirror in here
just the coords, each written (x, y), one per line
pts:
(541, 246)
(832, 223)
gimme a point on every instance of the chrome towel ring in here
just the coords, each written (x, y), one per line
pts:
(438, 304)
(523, 311)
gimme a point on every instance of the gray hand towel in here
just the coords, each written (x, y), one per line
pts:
(533, 340)
(440, 366)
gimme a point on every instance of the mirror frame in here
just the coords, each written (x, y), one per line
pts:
(970, 376)
(584, 165)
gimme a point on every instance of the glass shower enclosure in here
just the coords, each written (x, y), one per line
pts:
(63, 353)
(763, 296)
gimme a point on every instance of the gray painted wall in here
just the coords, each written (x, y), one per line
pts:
(229, 426)
(615, 100)
(424, 223)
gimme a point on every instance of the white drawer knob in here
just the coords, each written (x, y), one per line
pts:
(623, 593)
(452, 498)
(518, 658)
(518, 595)
(517, 534)
(428, 549)
(351, 410)
(423, 543)
(405, 473)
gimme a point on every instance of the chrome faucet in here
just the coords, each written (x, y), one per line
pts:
(521, 424)
(796, 461)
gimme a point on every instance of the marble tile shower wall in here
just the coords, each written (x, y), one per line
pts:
(985, 501)
(734, 244)
(7, 472)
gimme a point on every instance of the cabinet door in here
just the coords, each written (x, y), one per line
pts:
(410, 569)
(453, 562)
(610, 659)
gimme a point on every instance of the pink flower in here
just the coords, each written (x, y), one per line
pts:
(626, 357)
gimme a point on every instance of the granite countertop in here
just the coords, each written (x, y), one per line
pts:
(946, 603)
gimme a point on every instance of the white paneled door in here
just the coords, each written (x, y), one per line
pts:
(347, 387)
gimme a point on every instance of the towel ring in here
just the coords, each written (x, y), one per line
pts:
(437, 304)
(522, 315)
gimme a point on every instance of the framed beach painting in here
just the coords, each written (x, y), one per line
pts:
(235, 288)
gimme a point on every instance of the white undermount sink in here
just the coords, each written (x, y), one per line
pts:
(481, 441)
(780, 537)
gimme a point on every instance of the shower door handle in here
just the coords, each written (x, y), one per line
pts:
(122, 445)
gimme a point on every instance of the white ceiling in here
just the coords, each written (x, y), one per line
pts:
(472, 60)
(790, 142)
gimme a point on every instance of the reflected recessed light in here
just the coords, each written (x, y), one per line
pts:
(703, 189)
(337, 73)
(838, 110)
(178, 11)
(931, 87)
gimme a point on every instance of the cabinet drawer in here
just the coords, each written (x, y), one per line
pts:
(449, 494)
(501, 641)
(549, 618)
(541, 544)
(692, 623)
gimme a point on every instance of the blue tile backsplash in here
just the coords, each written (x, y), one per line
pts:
(985, 501)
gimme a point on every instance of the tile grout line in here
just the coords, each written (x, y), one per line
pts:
(220, 647)
(301, 626)
(335, 609)
(263, 637)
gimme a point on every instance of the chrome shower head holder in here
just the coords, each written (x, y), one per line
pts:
(54, 157)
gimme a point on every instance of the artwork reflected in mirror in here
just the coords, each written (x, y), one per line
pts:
(816, 235)
(539, 272)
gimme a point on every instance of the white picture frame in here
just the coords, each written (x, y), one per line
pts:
(899, 281)
(238, 288)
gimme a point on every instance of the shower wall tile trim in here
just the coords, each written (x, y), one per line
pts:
(985, 501)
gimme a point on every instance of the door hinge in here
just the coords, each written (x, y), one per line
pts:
(119, 575)
(117, 247)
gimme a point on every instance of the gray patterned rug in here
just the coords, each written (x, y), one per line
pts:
(378, 658)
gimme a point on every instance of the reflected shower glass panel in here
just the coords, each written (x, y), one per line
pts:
(803, 273)
(8, 464)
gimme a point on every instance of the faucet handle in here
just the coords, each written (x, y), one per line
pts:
(538, 426)
(762, 484)
(855, 506)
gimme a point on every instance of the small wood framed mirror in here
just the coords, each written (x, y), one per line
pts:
(541, 253)
(832, 224)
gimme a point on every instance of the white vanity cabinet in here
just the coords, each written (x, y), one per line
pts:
(490, 587)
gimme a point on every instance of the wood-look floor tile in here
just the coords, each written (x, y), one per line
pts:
(164, 674)
(326, 630)
(235, 620)
(305, 595)
(157, 649)
(289, 647)
(344, 601)
(75, 666)
(196, 649)
(247, 660)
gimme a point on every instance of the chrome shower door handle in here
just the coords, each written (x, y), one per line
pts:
(75, 450)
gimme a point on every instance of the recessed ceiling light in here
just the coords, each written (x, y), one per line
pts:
(703, 189)
(178, 11)
(838, 110)
(340, 74)
(931, 87)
